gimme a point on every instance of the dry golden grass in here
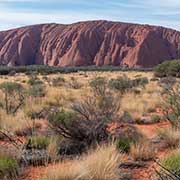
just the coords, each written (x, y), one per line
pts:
(101, 164)
(66, 171)
(14, 123)
(138, 105)
(142, 150)
(32, 105)
(171, 136)
(52, 149)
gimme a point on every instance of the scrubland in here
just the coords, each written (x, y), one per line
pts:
(89, 126)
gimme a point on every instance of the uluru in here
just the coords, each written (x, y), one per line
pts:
(89, 43)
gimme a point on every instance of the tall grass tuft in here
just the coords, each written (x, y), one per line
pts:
(100, 164)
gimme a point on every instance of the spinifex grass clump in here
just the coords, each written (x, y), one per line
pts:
(9, 167)
(169, 167)
(142, 150)
(100, 164)
(172, 162)
(171, 136)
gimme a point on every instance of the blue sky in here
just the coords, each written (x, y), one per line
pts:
(16, 13)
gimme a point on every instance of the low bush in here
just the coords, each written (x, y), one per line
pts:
(121, 84)
(37, 142)
(128, 136)
(168, 68)
(9, 167)
(99, 85)
(37, 90)
(34, 80)
(124, 84)
(142, 81)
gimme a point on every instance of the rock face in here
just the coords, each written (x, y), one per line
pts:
(89, 43)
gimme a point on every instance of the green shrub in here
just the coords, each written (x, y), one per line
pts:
(8, 167)
(37, 142)
(142, 81)
(172, 162)
(98, 85)
(121, 84)
(34, 80)
(168, 68)
(37, 90)
(63, 117)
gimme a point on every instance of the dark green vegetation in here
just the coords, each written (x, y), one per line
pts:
(168, 68)
(123, 83)
(8, 166)
(43, 69)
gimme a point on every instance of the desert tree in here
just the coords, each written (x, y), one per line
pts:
(13, 96)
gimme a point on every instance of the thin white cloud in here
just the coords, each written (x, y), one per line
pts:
(24, 18)
(153, 12)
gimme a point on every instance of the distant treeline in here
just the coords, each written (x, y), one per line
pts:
(44, 69)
